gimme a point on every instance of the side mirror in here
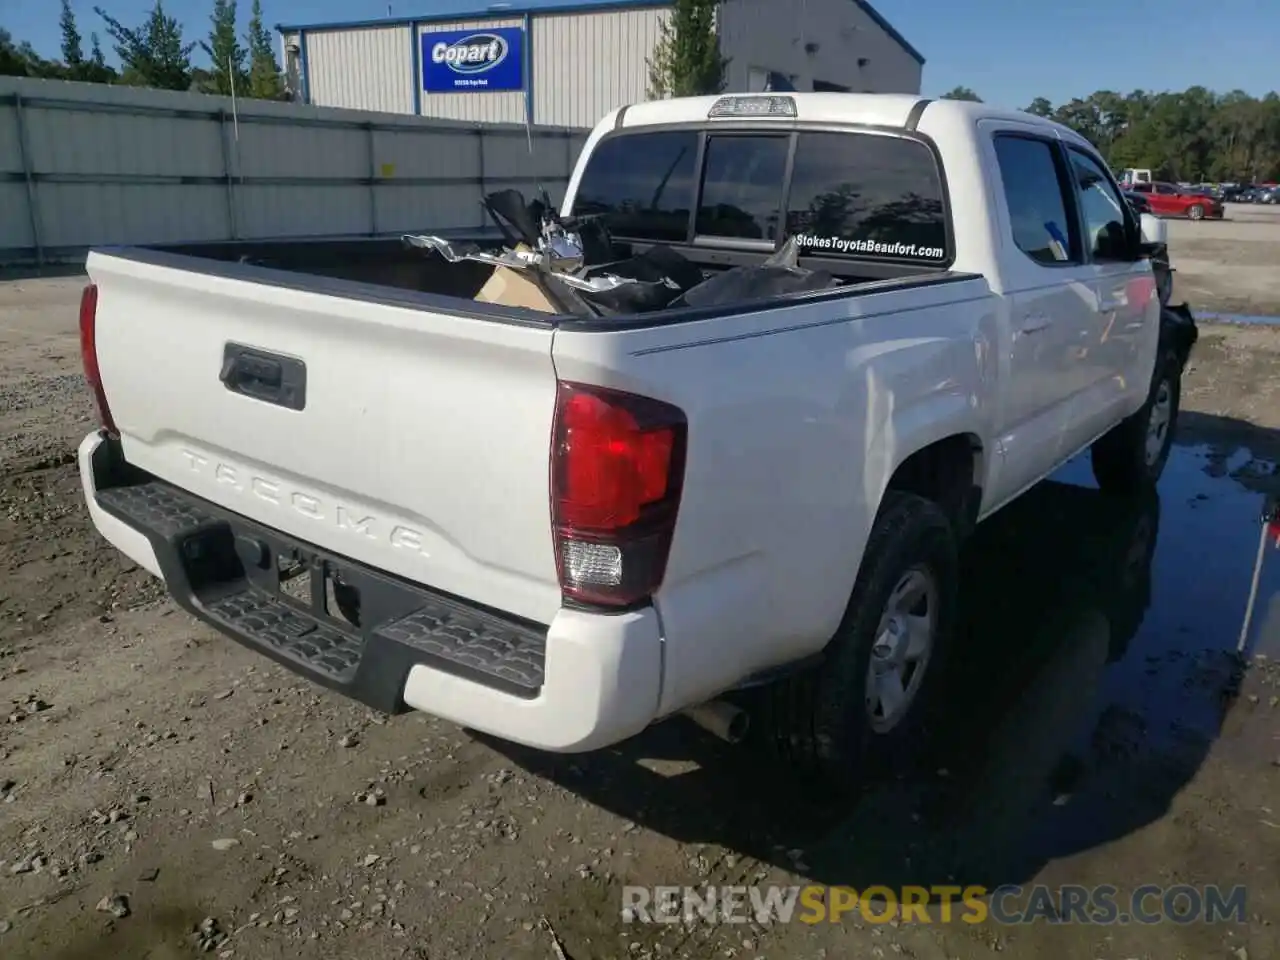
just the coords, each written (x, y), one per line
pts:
(1155, 232)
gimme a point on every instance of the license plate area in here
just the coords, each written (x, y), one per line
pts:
(315, 585)
(228, 557)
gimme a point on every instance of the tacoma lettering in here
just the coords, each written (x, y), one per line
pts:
(274, 492)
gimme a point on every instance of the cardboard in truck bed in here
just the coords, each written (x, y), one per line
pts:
(515, 288)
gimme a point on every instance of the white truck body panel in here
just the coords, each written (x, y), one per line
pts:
(424, 447)
(398, 460)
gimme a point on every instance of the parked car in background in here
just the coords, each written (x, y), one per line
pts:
(1270, 195)
(1235, 192)
(1170, 200)
(1160, 264)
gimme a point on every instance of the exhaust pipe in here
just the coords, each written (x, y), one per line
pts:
(722, 719)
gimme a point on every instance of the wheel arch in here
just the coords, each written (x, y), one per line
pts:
(947, 470)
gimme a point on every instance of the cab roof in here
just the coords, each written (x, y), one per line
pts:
(895, 110)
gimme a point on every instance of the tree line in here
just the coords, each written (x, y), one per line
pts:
(155, 54)
(1196, 136)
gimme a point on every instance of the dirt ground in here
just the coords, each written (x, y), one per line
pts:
(1230, 265)
(1106, 733)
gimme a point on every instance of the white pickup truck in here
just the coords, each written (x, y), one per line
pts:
(559, 530)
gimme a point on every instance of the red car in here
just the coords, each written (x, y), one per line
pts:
(1169, 200)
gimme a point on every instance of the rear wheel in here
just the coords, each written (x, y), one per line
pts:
(864, 705)
(1132, 456)
(1196, 212)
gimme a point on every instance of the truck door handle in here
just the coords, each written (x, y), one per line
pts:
(1034, 322)
(269, 377)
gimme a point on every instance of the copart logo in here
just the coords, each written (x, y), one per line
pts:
(474, 54)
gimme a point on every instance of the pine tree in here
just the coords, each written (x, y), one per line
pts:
(72, 49)
(95, 69)
(153, 54)
(13, 63)
(224, 50)
(19, 59)
(686, 61)
(265, 81)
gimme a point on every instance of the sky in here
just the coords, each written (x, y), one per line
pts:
(1008, 51)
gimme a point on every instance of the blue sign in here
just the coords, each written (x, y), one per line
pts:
(460, 61)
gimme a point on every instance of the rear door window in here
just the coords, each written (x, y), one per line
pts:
(644, 182)
(1037, 193)
(868, 196)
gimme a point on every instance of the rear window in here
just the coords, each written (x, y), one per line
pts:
(849, 195)
(644, 182)
(741, 194)
(862, 195)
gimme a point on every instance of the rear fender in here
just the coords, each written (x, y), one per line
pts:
(913, 428)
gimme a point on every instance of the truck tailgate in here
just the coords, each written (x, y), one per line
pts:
(414, 441)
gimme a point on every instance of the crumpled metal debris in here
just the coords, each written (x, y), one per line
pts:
(554, 249)
(559, 260)
(571, 260)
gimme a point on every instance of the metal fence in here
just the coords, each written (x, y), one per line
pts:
(85, 165)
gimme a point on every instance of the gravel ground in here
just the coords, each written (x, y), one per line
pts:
(1229, 265)
(165, 792)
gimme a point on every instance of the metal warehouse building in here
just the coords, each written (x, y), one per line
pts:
(568, 63)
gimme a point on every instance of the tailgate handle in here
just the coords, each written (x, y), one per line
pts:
(269, 377)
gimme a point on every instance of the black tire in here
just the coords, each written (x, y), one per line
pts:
(1120, 459)
(819, 721)
(1195, 212)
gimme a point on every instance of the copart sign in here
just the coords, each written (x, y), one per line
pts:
(460, 61)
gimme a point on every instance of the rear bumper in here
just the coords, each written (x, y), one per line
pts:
(584, 681)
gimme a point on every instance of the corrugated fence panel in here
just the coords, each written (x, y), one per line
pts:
(10, 145)
(15, 224)
(120, 165)
(586, 64)
(510, 157)
(303, 211)
(276, 150)
(411, 208)
(87, 214)
(82, 142)
(15, 215)
(480, 107)
(407, 209)
(425, 154)
(364, 69)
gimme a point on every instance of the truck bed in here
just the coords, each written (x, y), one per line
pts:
(386, 270)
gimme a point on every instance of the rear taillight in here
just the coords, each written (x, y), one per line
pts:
(617, 467)
(89, 355)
